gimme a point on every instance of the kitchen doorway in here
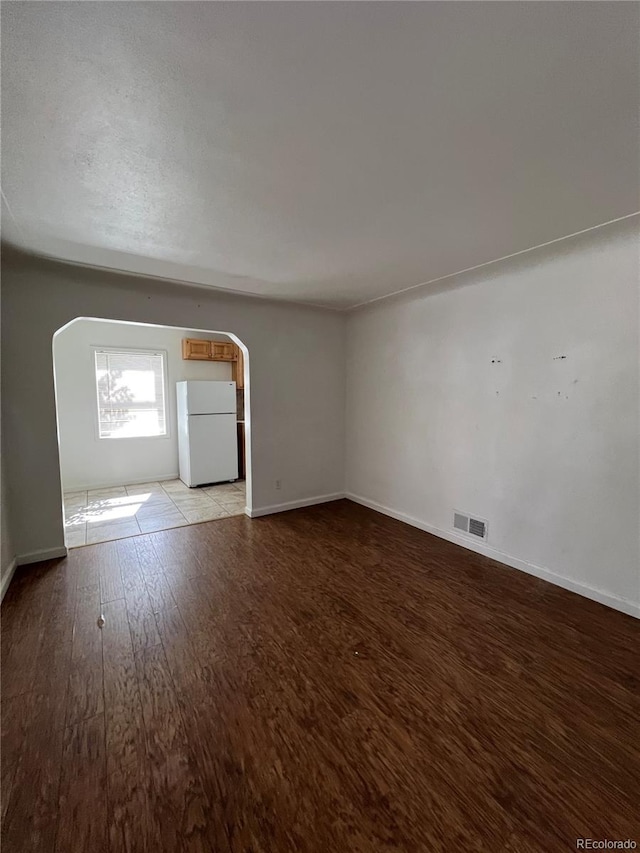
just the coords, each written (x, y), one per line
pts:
(131, 460)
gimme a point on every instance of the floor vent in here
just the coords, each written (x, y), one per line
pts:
(474, 526)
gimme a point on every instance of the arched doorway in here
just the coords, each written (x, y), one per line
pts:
(118, 427)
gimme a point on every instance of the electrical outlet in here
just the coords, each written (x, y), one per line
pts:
(278, 484)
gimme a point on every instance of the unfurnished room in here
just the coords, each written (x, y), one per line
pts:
(320, 426)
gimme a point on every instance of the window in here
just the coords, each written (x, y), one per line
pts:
(131, 393)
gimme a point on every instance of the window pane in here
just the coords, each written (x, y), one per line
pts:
(130, 388)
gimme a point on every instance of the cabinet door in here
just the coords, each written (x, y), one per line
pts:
(237, 370)
(196, 350)
(223, 351)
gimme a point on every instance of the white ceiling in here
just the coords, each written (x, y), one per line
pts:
(323, 152)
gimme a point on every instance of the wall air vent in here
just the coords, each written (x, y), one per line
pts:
(474, 526)
(477, 527)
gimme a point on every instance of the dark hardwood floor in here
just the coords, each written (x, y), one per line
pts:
(322, 680)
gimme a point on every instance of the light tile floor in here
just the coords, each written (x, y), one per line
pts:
(105, 514)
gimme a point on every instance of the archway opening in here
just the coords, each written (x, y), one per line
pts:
(153, 427)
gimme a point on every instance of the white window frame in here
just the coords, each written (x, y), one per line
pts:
(167, 407)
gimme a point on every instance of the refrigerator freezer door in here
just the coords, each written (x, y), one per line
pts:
(210, 398)
(213, 449)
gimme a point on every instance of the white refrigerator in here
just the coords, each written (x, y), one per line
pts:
(207, 438)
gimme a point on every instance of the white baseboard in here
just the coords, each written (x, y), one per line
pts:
(39, 556)
(8, 577)
(114, 483)
(602, 597)
(273, 508)
(25, 559)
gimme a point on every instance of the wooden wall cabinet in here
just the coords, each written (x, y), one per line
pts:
(197, 350)
(237, 369)
(223, 351)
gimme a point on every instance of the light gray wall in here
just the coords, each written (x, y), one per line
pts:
(295, 392)
(8, 552)
(89, 462)
(545, 448)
